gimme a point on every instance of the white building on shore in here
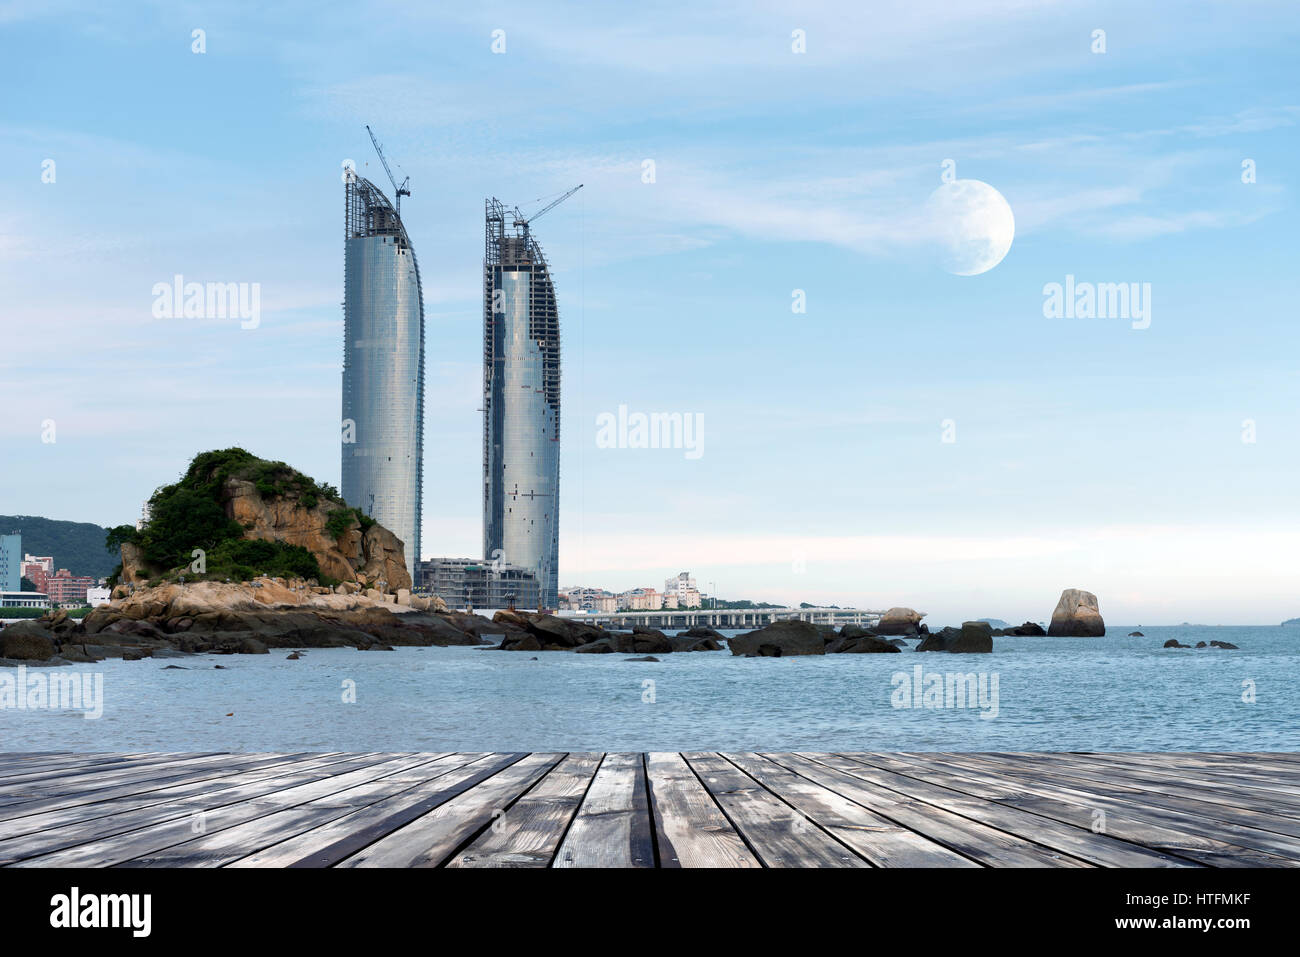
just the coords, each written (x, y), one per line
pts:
(98, 596)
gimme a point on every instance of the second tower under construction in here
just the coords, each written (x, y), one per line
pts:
(521, 403)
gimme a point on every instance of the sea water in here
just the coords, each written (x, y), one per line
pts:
(1058, 694)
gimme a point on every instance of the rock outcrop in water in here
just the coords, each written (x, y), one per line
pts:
(780, 639)
(900, 621)
(973, 637)
(1077, 615)
(527, 631)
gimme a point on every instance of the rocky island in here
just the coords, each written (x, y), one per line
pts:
(243, 555)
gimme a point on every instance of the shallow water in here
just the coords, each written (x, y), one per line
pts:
(1074, 694)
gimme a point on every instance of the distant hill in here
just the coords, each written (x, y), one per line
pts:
(76, 546)
(1292, 621)
(995, 622)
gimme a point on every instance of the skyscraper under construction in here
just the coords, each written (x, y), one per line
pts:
(383, 364)
(521, 401)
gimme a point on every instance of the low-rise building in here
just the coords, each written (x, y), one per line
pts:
(23, 599)
(641, 599)
(65, 588)
(590, 599)
(475, 583)
(99, 595)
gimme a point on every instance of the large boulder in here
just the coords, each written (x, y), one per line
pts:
(860, 644)
(1029, 629)
(900, 621)
(855, 631)
(650, 641)
(26, 641)
(698, 638)
(780, 639)
(551, 630)
(690, 643)
(975, 637)
(939, 640)
(701, 631)
(1077, 616)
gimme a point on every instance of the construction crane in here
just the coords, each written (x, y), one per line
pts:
(521, 220)
(399, 191)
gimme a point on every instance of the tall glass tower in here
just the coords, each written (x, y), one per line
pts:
(521, 404)
(383, 367)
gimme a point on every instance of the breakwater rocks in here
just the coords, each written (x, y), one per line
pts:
(973, 637)
(244, 618)
(524, 631)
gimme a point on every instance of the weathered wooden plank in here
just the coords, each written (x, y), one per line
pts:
(433, 837)
(1072, 839)
(1282, 766)
(1207, 818)
(159, 828)
(331, 843)
(528, 834)
(1249, 792)
(777, 833)
(691, 830)
(232, 843)
(612, 827)
(14, 763)
(980, 842)
(878, 839)
(14, 769)
(57, 811)
(36, 783)
(1171, 834)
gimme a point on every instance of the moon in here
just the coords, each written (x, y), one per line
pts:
(972, 225)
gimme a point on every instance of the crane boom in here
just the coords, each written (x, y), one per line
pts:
(521, 220)
(398, 191)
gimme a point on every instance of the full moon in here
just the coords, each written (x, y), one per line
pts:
(972, 226)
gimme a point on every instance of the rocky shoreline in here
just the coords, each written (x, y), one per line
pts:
(171, 619)
(239, 618)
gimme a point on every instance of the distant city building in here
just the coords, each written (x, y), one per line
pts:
(521, 402)
(65, 588)
(98, 596)
(11, 562)
(641, 599)
(36, 569)
(589, 599)
(23, 599)
(383, 366)
(472, 582)
(683, 586)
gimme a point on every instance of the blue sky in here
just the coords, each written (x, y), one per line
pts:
(1088, 454)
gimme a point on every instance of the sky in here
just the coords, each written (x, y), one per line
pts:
(911, 437)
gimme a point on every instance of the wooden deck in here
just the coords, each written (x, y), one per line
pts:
(660, 809)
